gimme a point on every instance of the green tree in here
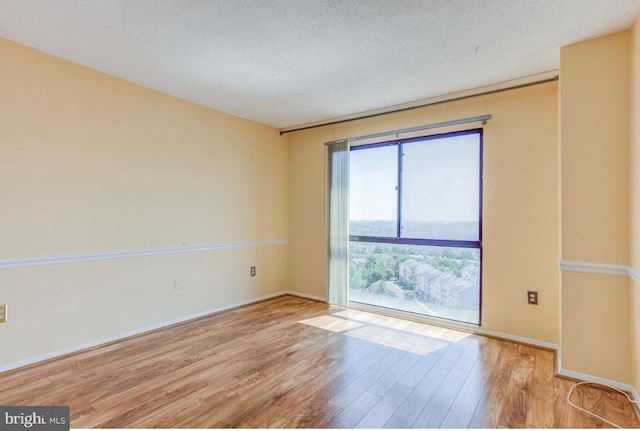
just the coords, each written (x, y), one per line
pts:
(375, 269)
(412, 279)
(356, 280)
(467, 255)
(380, 288)
(395, 264)
(448, 265)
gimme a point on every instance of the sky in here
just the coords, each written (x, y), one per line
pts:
(440, 181)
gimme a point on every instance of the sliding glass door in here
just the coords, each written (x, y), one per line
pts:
(415, 225)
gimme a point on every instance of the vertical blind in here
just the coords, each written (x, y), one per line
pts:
(338, 204)
(338, 221)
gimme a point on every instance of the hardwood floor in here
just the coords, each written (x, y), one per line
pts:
(291, 362)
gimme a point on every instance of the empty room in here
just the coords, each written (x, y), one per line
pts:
(319, 214)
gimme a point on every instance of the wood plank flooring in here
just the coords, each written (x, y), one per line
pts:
(291, 362)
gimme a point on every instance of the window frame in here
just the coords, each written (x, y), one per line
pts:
(398, 239)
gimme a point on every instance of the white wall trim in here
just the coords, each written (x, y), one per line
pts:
(458, 326)
(54, 260)
(634, 274)
(607, 269)
(140, 331)
(612, 383)
(518, 339)
(589, 378)
(636, 397)
(559, 358)
(600, 268)
(115, 338)
(305, 295)
(595, 268)
(476, 330)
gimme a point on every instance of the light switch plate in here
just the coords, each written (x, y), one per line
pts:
(3, 313)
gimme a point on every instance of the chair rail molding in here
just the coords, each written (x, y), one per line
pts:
(53, 260)
(599, 268)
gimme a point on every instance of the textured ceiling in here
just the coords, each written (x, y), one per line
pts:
(289, 62)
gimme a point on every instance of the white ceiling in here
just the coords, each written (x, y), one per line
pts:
(289, 62)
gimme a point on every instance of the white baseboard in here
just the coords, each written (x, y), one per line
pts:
(451, 324)
(589, 378)
(306, 295)
(517, 339)
(468, 328)
(611, 383)
(636, 397)
(114, 338)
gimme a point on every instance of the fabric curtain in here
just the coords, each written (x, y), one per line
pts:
(338, 221)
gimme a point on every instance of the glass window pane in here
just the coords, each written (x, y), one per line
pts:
(441, 188)
(373, 208)
(441, 282)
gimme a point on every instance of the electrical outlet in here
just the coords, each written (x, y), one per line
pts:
(3, 313)
(532, 297)
(176, 284)
(253, 271)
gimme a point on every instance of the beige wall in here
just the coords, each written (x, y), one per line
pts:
(520, 220)
(596, 325)
(634, 302)
(93, 164)
(89, 164)
(594, 118)
(634, 224)
(594, 141)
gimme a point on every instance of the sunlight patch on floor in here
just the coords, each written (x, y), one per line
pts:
(411, 343)
(330, 323)
(404, 325)
(410, 336)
